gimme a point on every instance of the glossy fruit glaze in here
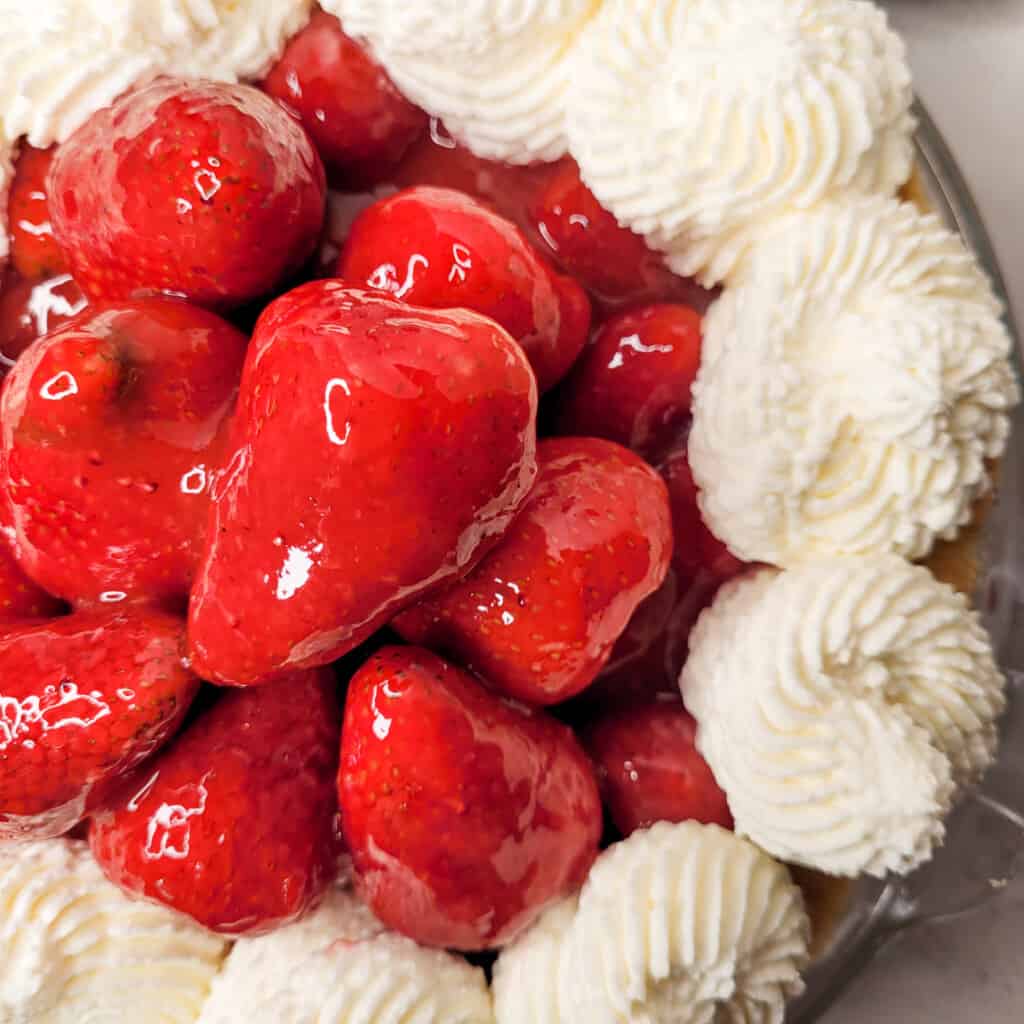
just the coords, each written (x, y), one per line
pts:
(539, 616)
(442, 249)
(379, 451)
(20, 598)
(85, 699)
(359, 122)
(212, 192)
(29, 309)
(633, 383)
(111, 431)
(465, 814)
(235, 823)
(35, 254)
(650, 770)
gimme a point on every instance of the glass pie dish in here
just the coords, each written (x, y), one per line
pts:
(984, 847)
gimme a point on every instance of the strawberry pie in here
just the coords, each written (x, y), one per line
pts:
(477, 490)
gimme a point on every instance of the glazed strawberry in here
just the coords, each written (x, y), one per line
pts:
(235, 823)
(211, 192)
(539, 616)
(83, 700)
(632, 384)
(439, 248)
(465, 814)
(699, 554)
(110, 432)
(20, 598)
(650, 769)
(34, 251)
(437, 159)
(381, 449)
(586, 241)
(360, 123)
(30, 309)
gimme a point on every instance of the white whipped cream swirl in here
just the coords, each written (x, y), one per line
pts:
(65, 59)
(495, 72)
(341, 966)
(527, 973)
(684, 924)
(73, 948)
(841, 706)
(855, 380)
(698, 121)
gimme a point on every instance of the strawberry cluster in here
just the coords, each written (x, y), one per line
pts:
(367, 533)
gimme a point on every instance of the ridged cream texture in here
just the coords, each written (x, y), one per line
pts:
(340, 966)
(63, 60)
(494, 70)
(841, 706)
(698, 121)
(525, 984)
(684, 924)
(855, 380)
(74, 950)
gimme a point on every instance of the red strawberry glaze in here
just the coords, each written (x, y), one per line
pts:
(35, 254)
(30, 309)
(359, 122)
(20, 598)
(211, 192)
(633, 382)
(539, 616)
(235, 823)
(110, 438)
(84, 699)
(381, 449)
(650, 770)
(442, 249)
(465, 814)
(698, 555)
(586, 241)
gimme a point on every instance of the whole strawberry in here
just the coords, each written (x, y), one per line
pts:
(83, 700)
(111, 435)
(465, 814)
(440, 248)
(361, 124)
(212, 192)
(650, 769)
(539, 616)
(632, 384)
(235, 823)
(380, 450)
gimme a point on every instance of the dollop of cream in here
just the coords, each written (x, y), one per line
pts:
(65, 59)
(841, 705)
(73, 948)
(496, 73)
(696, 122)
(855, 383)
(684, 924)
(340, 966)
(525, 986)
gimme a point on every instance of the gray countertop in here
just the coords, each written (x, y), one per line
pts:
(968, 59)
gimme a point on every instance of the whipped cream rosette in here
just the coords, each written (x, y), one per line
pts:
(64, 60)
(526, 975)
(341, 966)
(684, 924)
(496, 73)
(841, 706)
(855, 384)
(696, 122)
(73, 948)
